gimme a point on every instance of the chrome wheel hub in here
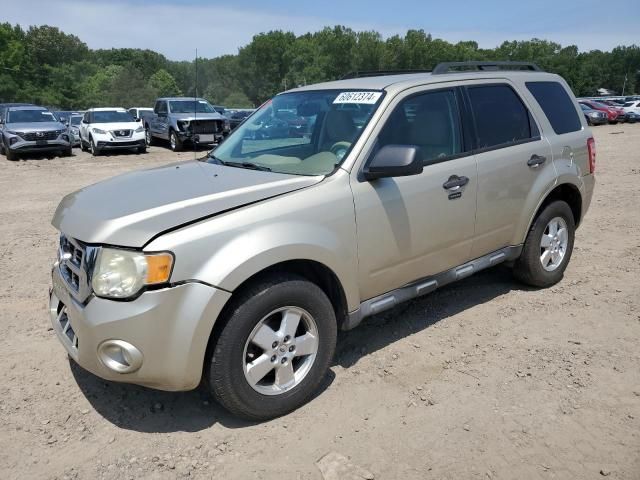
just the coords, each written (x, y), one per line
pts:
(280, 350)
(553, 244)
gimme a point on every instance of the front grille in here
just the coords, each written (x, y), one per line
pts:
(65, 326)
(74, 267)
(34, 136)
(207, 126)
(121, 133)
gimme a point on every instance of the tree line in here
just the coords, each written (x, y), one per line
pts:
(46, 66)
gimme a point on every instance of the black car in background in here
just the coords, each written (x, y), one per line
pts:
(237, 117)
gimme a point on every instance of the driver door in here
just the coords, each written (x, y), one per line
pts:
(412, 227)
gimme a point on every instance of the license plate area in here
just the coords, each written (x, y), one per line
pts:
(206, 138)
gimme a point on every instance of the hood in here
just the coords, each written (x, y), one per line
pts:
(117, 125)
(130, 209)
(199, 116)
(35, 126)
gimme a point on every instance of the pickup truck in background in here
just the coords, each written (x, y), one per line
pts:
(184, 120)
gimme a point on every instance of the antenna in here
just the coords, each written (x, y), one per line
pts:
(195, 109)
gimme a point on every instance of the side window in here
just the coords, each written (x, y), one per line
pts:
(430, 121)
(161, 107)
(86, 117)
(500, 116)
(557, 106)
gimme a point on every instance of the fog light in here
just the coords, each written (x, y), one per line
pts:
(119, 356)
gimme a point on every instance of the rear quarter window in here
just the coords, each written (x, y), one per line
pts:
(556, 105)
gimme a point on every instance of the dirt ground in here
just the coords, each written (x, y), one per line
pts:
(483, 379)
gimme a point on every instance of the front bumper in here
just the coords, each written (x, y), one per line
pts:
(120, 144)
(170, 328)
(201, 138)
(25, 146)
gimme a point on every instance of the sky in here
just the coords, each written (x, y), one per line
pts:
(175, 28)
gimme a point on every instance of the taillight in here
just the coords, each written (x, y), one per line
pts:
(591, 147)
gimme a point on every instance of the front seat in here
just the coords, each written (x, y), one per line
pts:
(339, 127)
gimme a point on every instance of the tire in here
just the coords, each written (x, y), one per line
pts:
(11, 155)
(141, 150)
(148, 137)
(174, 142)
(92, 147)
(529, 268)
(263, 302)
(83, 146)
(68, 152)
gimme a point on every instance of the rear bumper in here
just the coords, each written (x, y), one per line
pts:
(169, 328)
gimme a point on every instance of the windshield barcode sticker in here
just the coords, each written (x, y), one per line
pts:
(358, 97)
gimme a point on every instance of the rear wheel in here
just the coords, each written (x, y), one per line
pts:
(548, 247)
(274, 349)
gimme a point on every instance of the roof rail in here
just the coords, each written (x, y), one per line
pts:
(379, 73)
(454, 67)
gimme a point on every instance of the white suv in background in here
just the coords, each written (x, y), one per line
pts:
(109, 129)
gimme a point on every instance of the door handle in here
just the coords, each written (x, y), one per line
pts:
(536, 160)
(455, 182)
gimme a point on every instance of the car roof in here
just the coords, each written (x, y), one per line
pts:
(182, 98)
(107, 109)
(402, 81)
(26, 107)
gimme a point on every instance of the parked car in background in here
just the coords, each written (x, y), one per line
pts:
(633, 117)
(237, 117)
(632, 106)
(28, 129)
(617, 107)
(185, 120)
(238, 270)
(111, 129)
(594, 117)
(139, 112)
(74, 128)
(612, 114)
(63, 115)
(272, 127)
(220, 109)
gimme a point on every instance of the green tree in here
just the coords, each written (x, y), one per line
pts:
(164, 85)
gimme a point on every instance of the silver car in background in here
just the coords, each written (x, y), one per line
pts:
(32, 129)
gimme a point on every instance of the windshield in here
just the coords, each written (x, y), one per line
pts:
(75, 120)
(30, 116)
(111, 116)
(190, 106)
(302, 133)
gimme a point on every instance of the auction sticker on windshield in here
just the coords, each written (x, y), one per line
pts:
(358, 97)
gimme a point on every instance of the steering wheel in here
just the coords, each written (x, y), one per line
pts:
(340, 148)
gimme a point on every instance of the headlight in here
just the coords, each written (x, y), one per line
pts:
(139, 129)
(183, 124)
(593, 114)
(98, 130)
(122, 273)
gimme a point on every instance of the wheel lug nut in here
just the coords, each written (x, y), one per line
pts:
(292, 348)
(283, 361)
(287, 338)
(274, 345)
(273, 358)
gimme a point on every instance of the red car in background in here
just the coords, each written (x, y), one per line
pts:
(613, 115)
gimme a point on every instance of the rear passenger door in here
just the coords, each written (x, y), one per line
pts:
(514, 159)
(412, 227)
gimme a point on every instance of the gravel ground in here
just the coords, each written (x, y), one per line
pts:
(483, 379)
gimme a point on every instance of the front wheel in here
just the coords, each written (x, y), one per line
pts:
(548, 247)
(148, 137)
(174, 141)
(92, 146)
(274, 348)
(11, 155)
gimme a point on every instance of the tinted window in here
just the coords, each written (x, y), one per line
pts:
(430, 121)
(500, 116)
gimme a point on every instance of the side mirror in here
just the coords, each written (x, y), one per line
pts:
(84, 121)
(394, 161)
(137, 119)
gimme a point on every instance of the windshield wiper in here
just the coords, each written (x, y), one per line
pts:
(248, 165)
